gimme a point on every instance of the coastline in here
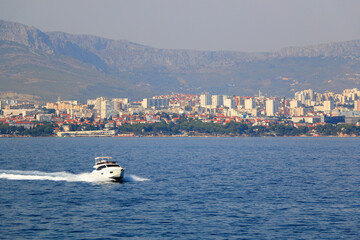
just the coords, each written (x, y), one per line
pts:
(179, 136)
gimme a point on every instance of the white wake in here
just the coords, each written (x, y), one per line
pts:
(133, 178)
(62, 176)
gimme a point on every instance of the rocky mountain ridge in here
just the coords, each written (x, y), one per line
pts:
(110, 63)
(119, 53)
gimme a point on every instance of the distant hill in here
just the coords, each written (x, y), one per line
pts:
(52, 64)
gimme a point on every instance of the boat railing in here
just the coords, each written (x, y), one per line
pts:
(102, 159)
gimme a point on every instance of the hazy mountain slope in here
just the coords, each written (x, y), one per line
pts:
(341, 49)
(25, 35)
(121, 55)
(80, 66)
(27, 71)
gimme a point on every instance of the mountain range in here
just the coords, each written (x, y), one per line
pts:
(57, 64)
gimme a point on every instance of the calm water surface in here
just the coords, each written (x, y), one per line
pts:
(181, 188)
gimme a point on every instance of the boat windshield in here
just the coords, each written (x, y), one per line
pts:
(112, 165)
(101, 167)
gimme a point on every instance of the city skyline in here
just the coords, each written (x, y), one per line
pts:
(307, 114)
(303, 102)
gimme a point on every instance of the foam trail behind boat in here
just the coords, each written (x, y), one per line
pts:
(62, 176)
(51, 176)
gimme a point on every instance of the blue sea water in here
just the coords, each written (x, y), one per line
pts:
(181, 188)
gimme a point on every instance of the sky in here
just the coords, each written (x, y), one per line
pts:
(216, 25)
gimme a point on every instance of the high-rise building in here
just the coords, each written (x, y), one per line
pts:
(306, 96)
(239, 101)
(250, 103)
(229, 102)
(120, 103)
(357, 105)
(328, 105)
(217, 101)
(351, 94)
(205, 100)
(294, 104)
(106, 108)
(271, 107)
(97, 102)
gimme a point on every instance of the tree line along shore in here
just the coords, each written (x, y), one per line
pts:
(191, 128)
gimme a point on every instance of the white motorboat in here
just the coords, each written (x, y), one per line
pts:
(106, 167)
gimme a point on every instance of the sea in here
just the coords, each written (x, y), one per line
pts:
(181, 188)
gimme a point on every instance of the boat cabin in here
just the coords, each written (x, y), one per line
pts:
(104, 162)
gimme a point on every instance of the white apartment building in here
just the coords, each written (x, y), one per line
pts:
(250, 103)
(17, 112)
(156, 103)
(294, 104)
(217, 101)
(328, 105)
(96, 102)
(272, 107)
(307, 97)
(43, 117)
(120, 103)
(106, 108)
(351, 94)
(357, 105)
(229, 102)
(205, 100)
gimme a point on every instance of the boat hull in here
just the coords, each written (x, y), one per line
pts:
(118, 175)
(113, 174)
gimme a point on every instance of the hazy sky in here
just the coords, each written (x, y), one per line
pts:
(242, 25)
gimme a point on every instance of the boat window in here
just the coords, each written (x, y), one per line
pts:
(112, 165)
(101, 167)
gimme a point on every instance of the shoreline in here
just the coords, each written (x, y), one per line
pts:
(174, 136)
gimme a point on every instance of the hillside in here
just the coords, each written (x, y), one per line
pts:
(79, 66)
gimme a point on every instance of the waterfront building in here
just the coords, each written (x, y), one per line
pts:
(352, 120)
(306, 119)
(94, 133)
(333, 119)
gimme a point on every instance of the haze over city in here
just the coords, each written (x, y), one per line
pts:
(246, 25)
